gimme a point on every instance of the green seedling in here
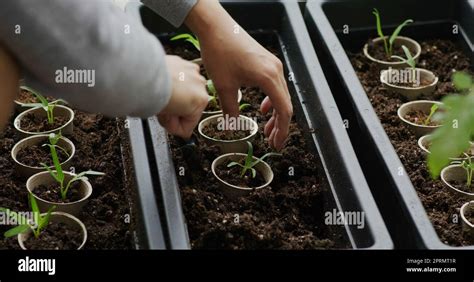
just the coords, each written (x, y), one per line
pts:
(24, 225)
(53, 145)
(243, 106)
(452, 138)
(58, 173)
(188, 38)
(43, 103)
(250, 163)
(463, 82)
(409, 58)
(212, 90)
(433, 110)
(468, 166)
(388, 45)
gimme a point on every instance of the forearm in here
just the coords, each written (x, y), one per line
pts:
(9, 85)
(130, 70)
(174, 11)
(209, 19)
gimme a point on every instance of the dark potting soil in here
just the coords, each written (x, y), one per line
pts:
(289, 214)
(34, 155)
(26, 97)
(32, 123)
(469, 214)
(419, 117)
(377, 51)
(100, 144)
(212, 130)
(56, 236)
(52, 193)
(461, 185)
(233, 176)
(440, 57)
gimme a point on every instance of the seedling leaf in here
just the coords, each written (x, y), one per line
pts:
(249, 161)
(397, 31)
(189, 38)
(379, 29)
(36, 227)
(212, 89)
(33, 204)
(462, 81)
(410, 60)
(254, 172)
(17, 230)
(44, 220)
(44, 104)
(77, 177)
(244, 106)
(231, 164)
(433, 110)
(450, 141)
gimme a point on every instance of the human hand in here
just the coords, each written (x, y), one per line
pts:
(188, 98)
(234, 59)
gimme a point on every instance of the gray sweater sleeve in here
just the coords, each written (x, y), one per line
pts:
(50, 36)
(174, 11)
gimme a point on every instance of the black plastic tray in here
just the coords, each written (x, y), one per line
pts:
(401, 207)
(313, 102)
(148, 232)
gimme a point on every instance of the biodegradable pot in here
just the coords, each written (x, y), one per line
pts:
(422, 105)
(59, 110)
(206, 114)
(424, 141)
(234, 191)
(456, 172)
(467, 226)
(44, 178)
(411, 44)
(411, 93)
(18, 107)
(228, 146)
(59, 217)
(27, 171)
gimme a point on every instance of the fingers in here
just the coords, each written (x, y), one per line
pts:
(188, 87)
(188, 99)
(228, 97)
(281, 133)
(266, 105)
(183, 125)
(179, 126)
(269, 126)
(274, 85)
